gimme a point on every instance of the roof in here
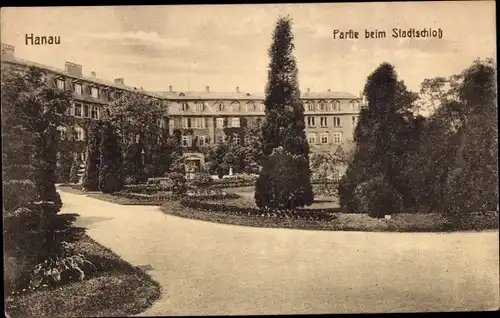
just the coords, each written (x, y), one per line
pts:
(9, 58)
(248, 95)
(177, 95)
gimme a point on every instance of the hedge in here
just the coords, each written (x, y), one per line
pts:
(308, 214)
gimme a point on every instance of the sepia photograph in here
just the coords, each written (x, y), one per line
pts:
(250, 159)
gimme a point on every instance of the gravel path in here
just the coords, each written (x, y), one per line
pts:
(216, 269)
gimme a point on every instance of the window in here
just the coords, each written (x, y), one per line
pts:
(219, 122)
(312, 139)
(262, 107)
(184, 106)
(324, 138)
(94, 112)
(324, 121)
(336, 105)
(199, 122)
(201, 141)
(236, 139)
(185, 141)
(186, 122)
(322, 106)
(61, 84)
(86, 110)
(78, 89)
(220, 107)
(310, 107)
(78, 110)
(355, 105)
(94, 92)
(251, 107)
(236, 107)
(61, 132)
(161, 123)
(336, 121)
(354, 121)
(310, 121)
(199, 107)
(337, 138)
(79, 134)
(235, 122)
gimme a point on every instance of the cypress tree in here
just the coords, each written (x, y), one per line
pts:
(91, 174)
(284, 128)
(110, 161)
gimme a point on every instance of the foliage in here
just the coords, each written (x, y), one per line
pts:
(283, 127)
(91, 174)
(111, 161)
(33, 228)
(75, 167)
(386, 136)
(64, 163)
(133, 164)
(282, 178)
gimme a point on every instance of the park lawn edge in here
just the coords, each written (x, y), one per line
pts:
(356, 222)
(116, 289)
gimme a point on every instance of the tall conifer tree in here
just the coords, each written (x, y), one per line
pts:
(284, 128)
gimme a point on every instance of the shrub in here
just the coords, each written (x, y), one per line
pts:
(18, 193)
(377, 198)
(179, 185)
(284, 182)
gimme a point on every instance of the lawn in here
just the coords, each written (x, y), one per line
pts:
(107, 197)
(403, 222)
(117, 289)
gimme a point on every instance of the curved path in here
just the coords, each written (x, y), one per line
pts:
(215, 269)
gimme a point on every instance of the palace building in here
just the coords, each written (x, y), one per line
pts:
(204, 117)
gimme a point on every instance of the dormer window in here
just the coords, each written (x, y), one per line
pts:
(78, 88)
(335, 105)
(94, 92)
(184, 106)
(322, 106)
(60, 83)
(236, 107)
(220, 106)
(310, 106)
(251, 107)
(181, 94)
(199, 107)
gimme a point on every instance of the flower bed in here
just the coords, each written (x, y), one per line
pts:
(223, 207)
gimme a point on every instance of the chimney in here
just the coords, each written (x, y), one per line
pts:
(8, 49)
(170, 89)
(119, 81)
(237, 89)
(207, 88)
(73, 69)
(308, 90)
(329, 90)
(93, 74)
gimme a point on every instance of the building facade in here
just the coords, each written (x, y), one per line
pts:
(204, 118)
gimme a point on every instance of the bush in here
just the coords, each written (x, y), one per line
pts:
(284, 182)
(73, 174)
(179, 185)
(18, 193)
(377, 198)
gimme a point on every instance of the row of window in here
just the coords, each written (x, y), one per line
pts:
(323, 121)
(201, 122)
(324, 138)
(79, 133)
(78, 88)
(83, 111)
(252, 107)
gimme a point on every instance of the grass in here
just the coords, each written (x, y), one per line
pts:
(403, 222)
(117, 289)
(107, 197)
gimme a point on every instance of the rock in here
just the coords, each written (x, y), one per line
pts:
(387, 217)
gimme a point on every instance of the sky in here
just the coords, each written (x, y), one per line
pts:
(224, 46)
